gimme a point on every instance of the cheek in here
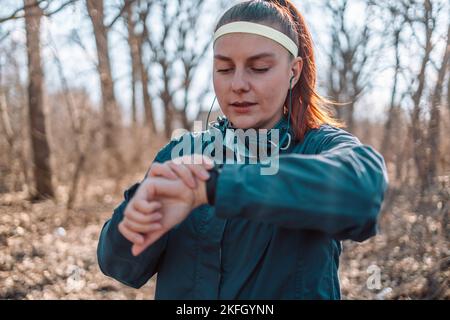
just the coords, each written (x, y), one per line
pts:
(221, 91)
(215, 83)
(220, 85)
(271, 93)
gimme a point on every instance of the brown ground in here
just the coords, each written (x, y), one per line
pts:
(47, 252)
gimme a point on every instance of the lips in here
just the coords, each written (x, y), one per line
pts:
(242, 107)
(243, 104)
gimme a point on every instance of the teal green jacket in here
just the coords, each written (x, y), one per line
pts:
(268, 236)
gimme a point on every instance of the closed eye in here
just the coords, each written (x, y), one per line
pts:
(260, 69)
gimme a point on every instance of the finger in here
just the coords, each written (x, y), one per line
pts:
(131, 236)
(165, 188)
(149, 189)
(184, 173)
(208, 163)
(143, 218)
(163, 170)
(142, 227)
(150, 238)
(205, 161)
(199, 171)
(146, 191)
(146, 207)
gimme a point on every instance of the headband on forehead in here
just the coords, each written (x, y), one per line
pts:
(258, 29)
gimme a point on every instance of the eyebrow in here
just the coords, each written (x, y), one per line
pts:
(255, 57)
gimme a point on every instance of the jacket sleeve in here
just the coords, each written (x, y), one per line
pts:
(114, 250)
(338, 191)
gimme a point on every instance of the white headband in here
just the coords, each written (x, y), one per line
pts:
(259, 29)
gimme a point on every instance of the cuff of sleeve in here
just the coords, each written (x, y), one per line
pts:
(119, 241)
(228, 202)
(129, 193)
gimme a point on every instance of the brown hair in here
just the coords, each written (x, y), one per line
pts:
(309, 109)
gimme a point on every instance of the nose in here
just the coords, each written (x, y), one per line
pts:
(239, 82)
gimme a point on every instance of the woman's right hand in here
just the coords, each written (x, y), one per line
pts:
(174, 201)
(187, 168)
(143, 217)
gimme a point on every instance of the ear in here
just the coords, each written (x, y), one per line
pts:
(296, 69)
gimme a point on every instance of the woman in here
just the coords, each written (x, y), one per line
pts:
(229, 231)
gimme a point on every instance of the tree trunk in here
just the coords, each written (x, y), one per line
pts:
(110, 108)
(166, 98)
(111, 114)
(416, 126)
(350, 116)
(435, 117)
(39, 142)
(448, 91)
(148, 106)
(134, 53)
(392, 119)
(168, 113)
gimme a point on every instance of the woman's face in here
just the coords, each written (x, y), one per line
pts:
(251, 79)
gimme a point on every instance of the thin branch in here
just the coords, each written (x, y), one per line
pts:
(17, 13)
(120, 14)
(48, 14)
(3, 37)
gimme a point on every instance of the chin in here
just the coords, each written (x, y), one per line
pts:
(243, 122)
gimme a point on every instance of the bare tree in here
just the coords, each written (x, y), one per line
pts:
(435, 115)
(352, 59)
(43, 4)
(428, 22)
(181, 23)
(111, 112)
(161, 56)
(136, 42)
(77, 120)
(15, 115)
(190, 57)
(448, 91)
(134, 54)
(12, 137)
(422, 142)
(110, 108)
(397, 19)
(39, 141)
